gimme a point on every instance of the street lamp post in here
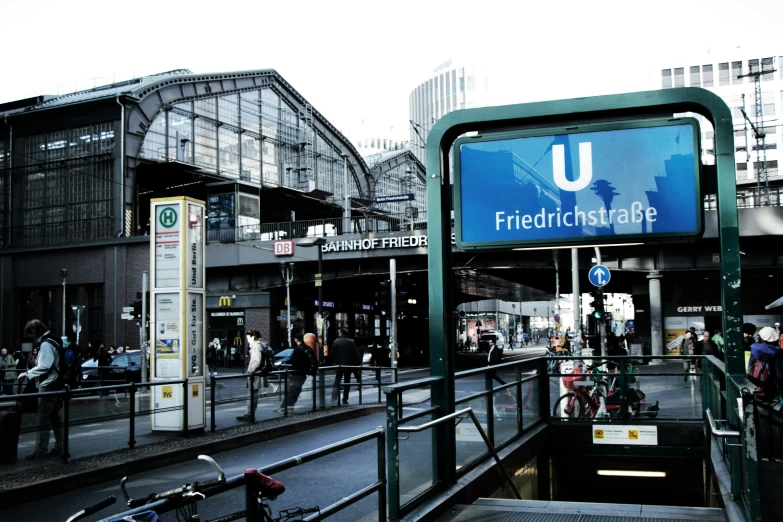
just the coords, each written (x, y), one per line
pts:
(64, 274)
(319, 324)
(287, 272)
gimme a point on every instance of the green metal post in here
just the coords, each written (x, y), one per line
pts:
(440, 300)
(750, 465)
(392, 456)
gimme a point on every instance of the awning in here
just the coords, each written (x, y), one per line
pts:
(775, 304)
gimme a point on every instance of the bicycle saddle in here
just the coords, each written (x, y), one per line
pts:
(267, 486)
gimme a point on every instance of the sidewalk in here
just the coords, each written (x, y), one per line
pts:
(50, 477)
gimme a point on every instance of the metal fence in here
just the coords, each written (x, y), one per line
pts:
(100, 410)
(328, 227)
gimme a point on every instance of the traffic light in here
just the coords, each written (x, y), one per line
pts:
(383, 296)
(597, 305)
(402, 293)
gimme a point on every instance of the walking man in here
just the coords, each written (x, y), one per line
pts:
(303, 363)
(495, 356)
(687, 347)
(345, 354)
(258, 367)
(47, 379)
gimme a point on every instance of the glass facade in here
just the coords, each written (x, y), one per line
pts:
(67, 178)
(253, 136)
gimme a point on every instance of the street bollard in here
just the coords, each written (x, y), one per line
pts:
(251, 385)
(322, 387)
(285, 395)
(212, 424)
(132, 427)
(382, 473)
(66, 422)
(378, 378)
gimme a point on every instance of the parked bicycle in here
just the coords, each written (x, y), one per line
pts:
(590, 396)
(189, 495)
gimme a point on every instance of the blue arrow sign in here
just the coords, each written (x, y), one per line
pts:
(599, 275)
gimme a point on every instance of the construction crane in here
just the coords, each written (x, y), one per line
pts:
(762, 175)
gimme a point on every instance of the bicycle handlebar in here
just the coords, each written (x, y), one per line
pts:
(89, 510)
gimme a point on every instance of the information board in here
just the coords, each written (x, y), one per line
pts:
(593, 184)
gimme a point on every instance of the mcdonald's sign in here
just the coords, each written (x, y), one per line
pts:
(224, 301)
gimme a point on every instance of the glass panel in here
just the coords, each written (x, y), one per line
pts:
(530, 403)
(723, 74)
(251, 158)
(679, 77)
(206, 143)
(228, 109)
(469, 443)
(695, 76)
(416, 462)
(707, 76)
(180, 136)
(154, 145)
(666, 79)
(505, 412)
(250, 115)
(736, 71)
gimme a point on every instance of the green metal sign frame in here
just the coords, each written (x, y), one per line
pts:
(599, 109)
(572, 129)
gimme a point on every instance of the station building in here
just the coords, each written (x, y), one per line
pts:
(78, 171)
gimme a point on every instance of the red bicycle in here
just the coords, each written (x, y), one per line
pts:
(585, 400)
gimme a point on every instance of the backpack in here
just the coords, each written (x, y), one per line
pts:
(759, 371)
(267, 360)
(69, 367)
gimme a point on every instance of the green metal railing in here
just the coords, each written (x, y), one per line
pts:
(508, 411)
(739, 453)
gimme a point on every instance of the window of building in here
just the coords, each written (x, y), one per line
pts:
(753, 66)
(706, 71)
(742, 166)
(736, 72)
(695, 76)
(739, 133)
(666, 78)
(723, 74)
(767, 64)
(679, 77)
(768, 104)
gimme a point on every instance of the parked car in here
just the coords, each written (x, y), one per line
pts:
(125, 368)
(483, 342)
(283, 357)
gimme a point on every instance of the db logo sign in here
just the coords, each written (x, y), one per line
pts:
(284, 248)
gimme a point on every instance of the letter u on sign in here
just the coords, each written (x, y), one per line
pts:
(284, 247)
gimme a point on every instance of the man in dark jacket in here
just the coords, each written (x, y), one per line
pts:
(303, 363)
(345, 354)
(688, 347)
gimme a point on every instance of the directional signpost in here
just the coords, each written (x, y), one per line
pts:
(599, 275)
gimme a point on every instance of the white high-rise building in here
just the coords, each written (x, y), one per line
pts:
(722, 72)
(452, 86)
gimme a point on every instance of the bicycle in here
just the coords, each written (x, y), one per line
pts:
(600, 400)
(189, 496)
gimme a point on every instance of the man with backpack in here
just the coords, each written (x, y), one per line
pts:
(260, 366)
(48, 377)
(303, 363)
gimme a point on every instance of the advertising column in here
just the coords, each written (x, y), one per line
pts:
(177, 313)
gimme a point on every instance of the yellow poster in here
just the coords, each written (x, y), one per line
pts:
(167, 392)
(674, 329)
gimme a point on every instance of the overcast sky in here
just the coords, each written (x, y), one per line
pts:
(355, 60)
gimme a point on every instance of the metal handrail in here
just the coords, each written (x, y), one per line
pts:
(169, 504)
(460, 413)
(719, 432)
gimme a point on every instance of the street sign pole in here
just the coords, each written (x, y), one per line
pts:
(143, 326)
(393, 296)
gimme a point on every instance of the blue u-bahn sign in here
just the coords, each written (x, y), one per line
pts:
(589, 185)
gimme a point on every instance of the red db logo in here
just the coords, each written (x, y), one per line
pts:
(284, 248)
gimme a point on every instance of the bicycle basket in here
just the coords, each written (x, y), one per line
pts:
(569, 382)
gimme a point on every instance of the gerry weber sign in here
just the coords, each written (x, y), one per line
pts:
(594, 184)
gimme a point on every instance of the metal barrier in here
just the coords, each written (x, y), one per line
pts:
(67, 395)
(509, 411)
(317, 390)
(251, 495)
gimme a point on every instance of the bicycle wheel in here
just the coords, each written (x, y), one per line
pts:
(568, 406)
(638, 406)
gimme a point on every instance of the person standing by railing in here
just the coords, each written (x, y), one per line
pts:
(7, 361)
(345, 354)
(47, 379)
(257, 364)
